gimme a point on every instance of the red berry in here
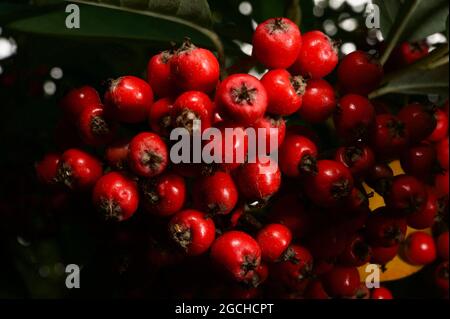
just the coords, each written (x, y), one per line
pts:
(284, 91)
(406, 196)
(356, 253)
(116, 154)
(164, 195)
(277, 43)
(158, 74)
(359, 73)
(215, 194)
(419, 160)
(129, 99)
(441, 183)
(327, 243)
(267, 123)
(115, 196)
(441, 129)
(381, 293)
(159, 116)
(331, 184)
(191, 106)
(441, 277)
(359, 159)
(379, 177)
(274, 240)
(318, 56)
(419, 121)
(238, 254)
(95, 127)
(297, 156)
(382, 255)
(194, 69)
(442, 245)
(426, 216)
(242, 98)
(192, 231)
(442, 149)
(148, 154)
(407, 53)
(419, 248)
(78, 170)
(319, 101)
(382, 229)
(77, 99)
(47, 168)
(389, 136)
(315, 290)
(353, 117)
(341, 281)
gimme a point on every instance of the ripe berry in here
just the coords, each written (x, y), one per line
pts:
(442, 150)
(277, 43)
(78, 170)
(215, 194)
(116, 154)
(332, 183)
(238, 254)
(194, 69)
(341, 281)
(359, 159)
(47, 168)
(297, 156)
(442, 245)
(389, 136)
(148, 154)
(191, 106)
(356, 253)
(283, 91)
(419, 248)
(318, 56)
(164, 195)
(359, 73)
(419, 160)
(115, 196)
(441, 183)
(441, 129)
(406, 196)
(382, 229)
(158, 74)
(441, 277)
(192, 231)
(274, 240)
(77, 99)
(129, 99)
(159, 116)
(407, 53)
(379, 177)
(315, 290)
(267, 123)
(95, 127)
(381, 293)
(258, 181)
(353, 117)
(242, 98)
(319, 101)
(382, 255)
(419, 121)
(425, 217)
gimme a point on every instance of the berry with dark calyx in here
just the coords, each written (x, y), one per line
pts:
(442, 154)
(419, 248)
(242, 98)
(215, 194)
(441, 129)
(319, 101)
(298, 156)
(406, 196)
(426, 216)
(163, 195)
(194, 69)
(158, 74)
(192, 231)
(383, 229)
(95, 126)
(277, 43)
(379, 177)
(361, 293)
(389, 136)
(359, 73)
(148, 154)
(115, 196)
(419, 160)
(356, 253)
(408, 53)
(341, 281)
(381, 293)
(419, 121)
(159, 116)
(268, 123)
(129, 99)
(441, 276)
(318, 56)
(274, 240)
(78, 170)
(382, 255)
(359, 159)
(77, 99)
(237, 254)
(116, 154)
(47, 168)
(284, 92)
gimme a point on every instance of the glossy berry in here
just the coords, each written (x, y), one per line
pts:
(359, 159)
(379, 177)
(237, 254)
(215, 194)
(274, 240)
(158, 74)
(194, 69)
(297, 156)
(356, 253)
(318, 56)
(192, 231)
(332, 183)
(389, 136)
(78, 170)
(411, 52)
(47, 168)
(274, 127)
(442, 245)
(242, 98)
(406, 196)
(419, 121)
(163, 195)
(382, 229)
(319, 101)
(382, 255)
(354, 117)
(77, 99)
(116, 154)
(419, 160)
(341, 281)
(191, 106)
(115, 196)
(129, 99)
(426, 216)
(381, 293)
(419, 248)
(441, 129)
(442, 155)
(284, 91)
(441, 276)
(159, 116)
(359, 73)
(95, 126)
(148, 154)
(276, 43)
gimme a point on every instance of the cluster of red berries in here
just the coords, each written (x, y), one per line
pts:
(300, 230)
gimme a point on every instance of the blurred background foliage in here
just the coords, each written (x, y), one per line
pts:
(40, 59)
